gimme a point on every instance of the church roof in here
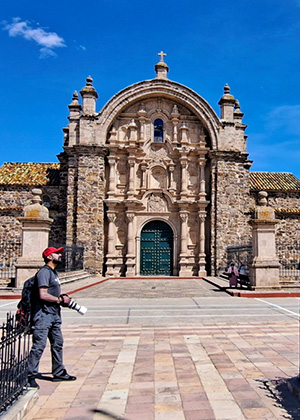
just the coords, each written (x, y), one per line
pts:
(36, 174)
(274, 181)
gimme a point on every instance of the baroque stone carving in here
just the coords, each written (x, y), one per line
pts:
(156, 204)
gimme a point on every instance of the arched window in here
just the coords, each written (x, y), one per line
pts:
(158, 130)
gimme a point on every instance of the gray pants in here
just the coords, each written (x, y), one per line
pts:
(46, 326)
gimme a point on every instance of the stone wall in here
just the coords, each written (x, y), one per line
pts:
(85, 205)
(230, 210)
(14, 198)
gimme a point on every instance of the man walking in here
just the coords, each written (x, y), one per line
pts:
(47, 319)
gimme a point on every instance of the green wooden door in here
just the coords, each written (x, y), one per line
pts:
(156, 249)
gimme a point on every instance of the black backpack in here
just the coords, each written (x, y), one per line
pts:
(25, 305)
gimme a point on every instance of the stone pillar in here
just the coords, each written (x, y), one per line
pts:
(202, 194)
(131, 163)
(264, 270)
(202, 271)
(143, 177)
(130, 256)
(172, 186)
(184, 269)
(111, 241)
(175, 120)
(35, 235)
(183, 162)
(112, 176)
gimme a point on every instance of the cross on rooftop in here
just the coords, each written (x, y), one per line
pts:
(162, 54)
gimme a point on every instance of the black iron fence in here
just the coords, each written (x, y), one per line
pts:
(241, 255)
(14, 351)
(289, 259)
(10, 250)
(72, 258)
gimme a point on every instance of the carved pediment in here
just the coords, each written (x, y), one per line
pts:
(156, 204)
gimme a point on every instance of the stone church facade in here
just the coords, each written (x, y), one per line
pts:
(153, 184)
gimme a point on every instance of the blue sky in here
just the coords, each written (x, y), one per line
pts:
(49, 47)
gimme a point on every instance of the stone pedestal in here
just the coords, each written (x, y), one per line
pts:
(264, 270)
(35, 235)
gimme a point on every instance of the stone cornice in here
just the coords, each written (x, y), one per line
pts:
(86, 150)
(229, 156)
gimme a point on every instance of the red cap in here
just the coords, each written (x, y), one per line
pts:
(51, 250)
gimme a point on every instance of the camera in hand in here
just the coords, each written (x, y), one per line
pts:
(80, 309)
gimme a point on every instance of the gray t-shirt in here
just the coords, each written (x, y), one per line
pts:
(47, 277)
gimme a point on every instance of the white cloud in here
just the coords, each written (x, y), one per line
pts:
(48, 41)
(284, 119)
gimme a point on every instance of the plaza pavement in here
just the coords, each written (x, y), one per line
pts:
(173, 350)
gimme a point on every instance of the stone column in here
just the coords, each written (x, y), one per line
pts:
(130, 256)
(143, 180)
(35, 235)
(112, 176)
(171, 181)
(183, 162)
(264, 270)
(111, 241)
(202, 255)
(183, 257)
(175, 120)
(131, 163)
(202, 193)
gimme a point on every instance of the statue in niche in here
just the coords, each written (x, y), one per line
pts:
(193, 229)
(158, 178)
(193, 176)
(122, 171)
(156, 204)
(121, 231)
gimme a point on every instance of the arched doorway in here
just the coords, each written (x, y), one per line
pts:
(156, 249)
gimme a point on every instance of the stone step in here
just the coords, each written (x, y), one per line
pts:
(73, 276)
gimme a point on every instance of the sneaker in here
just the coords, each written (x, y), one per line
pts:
(64, 376)
(32, 383)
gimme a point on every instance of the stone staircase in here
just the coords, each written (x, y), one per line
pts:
(65, 278)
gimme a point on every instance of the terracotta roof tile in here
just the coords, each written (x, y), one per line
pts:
(35, 174)
(274, 181)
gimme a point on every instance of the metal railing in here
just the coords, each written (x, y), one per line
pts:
(72, 258)
(10, 250)
(14, 351)
(289, 259)
(240, 255)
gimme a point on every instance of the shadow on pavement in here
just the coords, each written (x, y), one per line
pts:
(279, 391)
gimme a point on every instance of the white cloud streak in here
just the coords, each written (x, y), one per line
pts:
(48, 41)
(284, 119)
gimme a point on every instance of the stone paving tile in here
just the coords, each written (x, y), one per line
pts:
(190, 372)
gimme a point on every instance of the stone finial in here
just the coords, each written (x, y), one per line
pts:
(263, 212)
(227, 103)
(142, 112)
(89, 96)
(74, 106)
(238, 114)
(36, 210)
(132, 124)
(262, 198)
(161, 68)
(175, 112)
(89, 81)
(227, 97)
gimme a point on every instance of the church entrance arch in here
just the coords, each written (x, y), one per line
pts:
(156, 249)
